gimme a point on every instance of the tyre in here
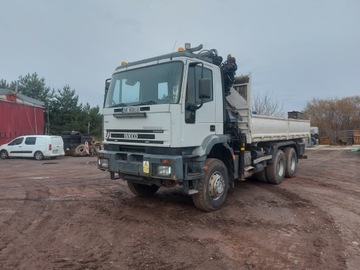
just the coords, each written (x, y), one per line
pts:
(80, 150)
(142, 190)
(275, 172)
(4, 154)
(213, 187)
(290, 162)
(38, 155)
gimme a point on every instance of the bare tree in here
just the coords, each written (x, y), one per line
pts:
(334, 114)
(266, 105)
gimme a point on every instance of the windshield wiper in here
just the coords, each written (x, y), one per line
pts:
(118, 105)
(150, 102)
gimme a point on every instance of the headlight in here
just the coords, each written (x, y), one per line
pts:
(103, 163)
(164, 171)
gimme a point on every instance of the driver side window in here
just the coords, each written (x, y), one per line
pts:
(192, 90)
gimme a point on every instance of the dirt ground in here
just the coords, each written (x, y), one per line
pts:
(66, 214)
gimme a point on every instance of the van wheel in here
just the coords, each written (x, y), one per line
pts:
(142, 190)
(4, 154)
(275, 172)
(38, 155)
(291, 162)
(213, 187)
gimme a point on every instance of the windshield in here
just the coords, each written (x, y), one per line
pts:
(158, 84)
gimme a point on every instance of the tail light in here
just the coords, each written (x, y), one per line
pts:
(50, 147)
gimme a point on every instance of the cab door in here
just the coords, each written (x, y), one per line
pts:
(15, 147)
(200, 115)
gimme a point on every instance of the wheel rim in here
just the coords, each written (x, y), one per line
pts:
(293, 164)
(38, 156)
(216, 185)
(280, 168)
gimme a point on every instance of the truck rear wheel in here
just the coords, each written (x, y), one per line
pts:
(275, 172)
(213, 187)
(291, 162)
(142, 190)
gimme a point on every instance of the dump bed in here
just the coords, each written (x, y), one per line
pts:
(260, 128)
(266, 128)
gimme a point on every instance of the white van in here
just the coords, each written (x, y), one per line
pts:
(36, 146)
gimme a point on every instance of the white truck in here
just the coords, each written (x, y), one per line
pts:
(184, 119)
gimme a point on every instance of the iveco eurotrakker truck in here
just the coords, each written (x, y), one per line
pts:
(185, 119)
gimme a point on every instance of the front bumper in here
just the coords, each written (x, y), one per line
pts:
(142, 165)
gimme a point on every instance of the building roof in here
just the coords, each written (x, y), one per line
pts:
(20, 98)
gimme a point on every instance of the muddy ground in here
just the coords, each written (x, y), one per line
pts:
(66, 214)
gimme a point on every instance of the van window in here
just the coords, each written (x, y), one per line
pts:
(56, 140)
(17, 141)
(30, 140)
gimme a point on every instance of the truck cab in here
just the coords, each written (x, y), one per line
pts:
(167, 123)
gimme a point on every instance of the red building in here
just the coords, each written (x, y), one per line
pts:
(19, 115)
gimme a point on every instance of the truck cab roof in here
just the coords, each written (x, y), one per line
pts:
(204, 55)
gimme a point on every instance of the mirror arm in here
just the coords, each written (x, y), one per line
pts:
(202, 102)
(193, 107)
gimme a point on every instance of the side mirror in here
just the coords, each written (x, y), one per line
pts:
(204, 88)
(107, 84)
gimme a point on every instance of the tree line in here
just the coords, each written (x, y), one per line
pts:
(337, 114)
(63, 112)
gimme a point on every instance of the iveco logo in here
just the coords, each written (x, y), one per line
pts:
(131, 109)
(130, 136)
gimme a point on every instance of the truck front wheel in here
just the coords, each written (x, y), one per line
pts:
(142, 190)
(213, 187)
(275, 172)
(291, 162)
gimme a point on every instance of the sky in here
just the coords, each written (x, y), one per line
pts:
(295, 50)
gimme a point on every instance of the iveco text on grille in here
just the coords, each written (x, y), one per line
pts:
(130, 136)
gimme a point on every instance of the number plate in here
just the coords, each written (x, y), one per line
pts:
(146, 167)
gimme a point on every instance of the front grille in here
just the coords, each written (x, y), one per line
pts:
(124, 148)
(144, 136)
(140, 136)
